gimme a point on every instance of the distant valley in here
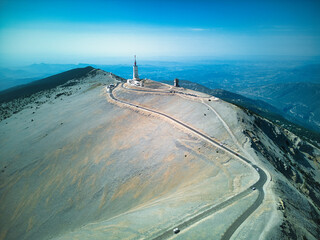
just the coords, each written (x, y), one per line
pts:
(297, 101)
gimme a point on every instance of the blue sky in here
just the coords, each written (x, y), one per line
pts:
(97, 31)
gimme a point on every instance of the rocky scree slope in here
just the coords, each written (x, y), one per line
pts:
(294, 166)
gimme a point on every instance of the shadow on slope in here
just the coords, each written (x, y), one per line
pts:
(43, 84)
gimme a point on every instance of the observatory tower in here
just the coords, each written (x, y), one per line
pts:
(135, 70)
(135, 81)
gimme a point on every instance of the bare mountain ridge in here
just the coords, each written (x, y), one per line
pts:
(77, 165)
(237, 77)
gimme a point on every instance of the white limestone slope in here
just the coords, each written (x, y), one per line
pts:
(75, 165)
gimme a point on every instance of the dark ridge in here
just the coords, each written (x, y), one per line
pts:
(43, 84)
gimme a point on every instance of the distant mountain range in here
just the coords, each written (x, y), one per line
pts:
(299, 102)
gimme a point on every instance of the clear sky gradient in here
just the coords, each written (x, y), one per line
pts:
(33, 31)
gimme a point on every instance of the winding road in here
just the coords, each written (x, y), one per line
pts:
(258, 185)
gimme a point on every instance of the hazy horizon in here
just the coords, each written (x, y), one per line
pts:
(167, 61)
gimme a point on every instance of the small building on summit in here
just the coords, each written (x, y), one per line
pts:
(176, 82)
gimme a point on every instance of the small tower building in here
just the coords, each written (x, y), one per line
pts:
(176, 82)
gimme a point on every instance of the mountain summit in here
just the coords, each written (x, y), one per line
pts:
(87, 156)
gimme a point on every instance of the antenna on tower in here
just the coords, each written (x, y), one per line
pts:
(135, 61)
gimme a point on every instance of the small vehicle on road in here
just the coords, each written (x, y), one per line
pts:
(176, 230)
(253, 188)
(257, 169)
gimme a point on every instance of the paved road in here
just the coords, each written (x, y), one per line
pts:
(258, 185)
(234, 226)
